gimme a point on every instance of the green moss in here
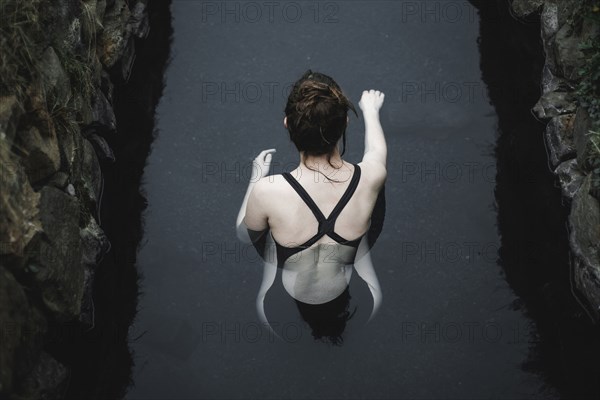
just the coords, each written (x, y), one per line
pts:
(85, 203)
(20, 35)
(588, 92)
(62, 114)
(22, 41)
(594, 162)
(80, 74)
(79, 66)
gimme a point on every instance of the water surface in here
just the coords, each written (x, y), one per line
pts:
(444, 329)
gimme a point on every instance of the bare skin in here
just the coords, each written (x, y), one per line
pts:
(320, 274)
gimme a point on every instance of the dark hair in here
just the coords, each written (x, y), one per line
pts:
(317, 113)
(328, 321)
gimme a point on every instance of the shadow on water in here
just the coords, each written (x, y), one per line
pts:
(532, 217)
(100, 359)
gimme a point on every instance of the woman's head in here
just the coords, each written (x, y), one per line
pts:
(317, 114)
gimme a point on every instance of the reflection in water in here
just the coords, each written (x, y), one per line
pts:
(327, 320)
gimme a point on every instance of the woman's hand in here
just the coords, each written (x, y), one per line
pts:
(375, 146)
(371, 101)
(260, 169)
(262, 164)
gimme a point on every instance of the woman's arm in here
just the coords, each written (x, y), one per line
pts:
(251, 215)
(375, 146)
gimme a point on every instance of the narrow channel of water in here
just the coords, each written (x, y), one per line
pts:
(444, 330)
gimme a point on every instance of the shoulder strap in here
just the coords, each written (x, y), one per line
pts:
(347, 194)
(304, 195)
(325, 224)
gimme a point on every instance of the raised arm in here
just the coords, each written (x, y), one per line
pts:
(250, 211)
(375, 145)
(375, 157)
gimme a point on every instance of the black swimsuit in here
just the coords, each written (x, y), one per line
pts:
(326, 225)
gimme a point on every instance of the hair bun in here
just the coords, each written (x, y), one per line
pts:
(317, 112)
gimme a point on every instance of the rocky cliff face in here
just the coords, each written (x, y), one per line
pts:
(60, 63)
(565, 27)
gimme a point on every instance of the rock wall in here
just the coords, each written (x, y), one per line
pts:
(564, 28)
(60, 63)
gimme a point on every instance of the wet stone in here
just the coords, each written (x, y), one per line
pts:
(23, 329)
(59, 180)
(138, 22)
(103, 150)
(524, 8)
(127, 59)
(54, 77)
(550, 82)
(568, 55)
(19, 211)
(583, 143)
(47, 377)
(584, 221)
(103, 115)
(115, 35)
(570, 177)
(549, 20)
(559, 138)
(41, 155)
(95, 243)
(552, 104)
(86, 316)
(91, 172)
(10, 112)
(58, 254)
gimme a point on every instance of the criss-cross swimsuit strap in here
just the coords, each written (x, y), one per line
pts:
(326, 225)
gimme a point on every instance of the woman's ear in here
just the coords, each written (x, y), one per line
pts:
(285, 122)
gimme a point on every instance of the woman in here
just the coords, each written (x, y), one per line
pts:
(316, 253)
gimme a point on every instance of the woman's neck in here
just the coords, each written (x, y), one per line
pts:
(319, 164)
(322, 160)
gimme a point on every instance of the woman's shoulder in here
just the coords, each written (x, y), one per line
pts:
(373, 172)
(270, 185)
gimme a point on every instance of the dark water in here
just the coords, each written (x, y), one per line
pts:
(531, 213)
(99, 359)
(448, 326)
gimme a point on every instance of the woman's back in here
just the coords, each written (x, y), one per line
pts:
(291, 220)
(317, 264)
(315, 222)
